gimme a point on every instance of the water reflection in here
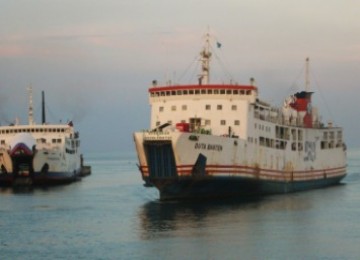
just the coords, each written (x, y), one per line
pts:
(28, 190)
(158, 217)
(167, 219)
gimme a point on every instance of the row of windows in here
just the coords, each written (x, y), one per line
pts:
(263, 127)
(207, 107)
(331, 135)
(268, 142)
(33, 130)
(284, 133)
(330, 145)
(207, 122)
(200, 91)
(40, 140)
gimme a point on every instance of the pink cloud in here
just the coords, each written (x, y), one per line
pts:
(12, 51)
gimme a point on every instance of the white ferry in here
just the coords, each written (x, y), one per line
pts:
(40, 154)
(216, 140)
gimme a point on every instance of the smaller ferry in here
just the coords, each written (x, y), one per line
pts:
(220, 140)
(40, 154)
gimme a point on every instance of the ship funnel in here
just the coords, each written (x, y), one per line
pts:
(43, 118)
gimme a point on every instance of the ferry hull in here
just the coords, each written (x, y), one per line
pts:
(38, 179)
(235, 187)
(183, 167)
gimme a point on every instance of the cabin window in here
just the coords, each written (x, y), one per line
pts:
(184, 107)
(197, 92)
(339, 135)
(191, 92)
(248, 92)
(167, 93)
(161, 109)
(323, 145)
(228, 91)
(236, 92)
(185, 92)
(300, 146)
(157, 123)
(237, 122)
(53, 141)
(173, 93)
(216, 91)
(207, 122)
(203, 91)
(179, 92)
(173, 108)
(207, 107)
(210, 91)
(300, 135)
(233, 107)
(222, 91)
(222, 122)
(219, 107)
(2, 141)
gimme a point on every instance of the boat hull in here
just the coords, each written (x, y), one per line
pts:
(39, 178)
(183, 167)
(224, 187)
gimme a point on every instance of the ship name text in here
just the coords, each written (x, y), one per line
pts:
(204, 146)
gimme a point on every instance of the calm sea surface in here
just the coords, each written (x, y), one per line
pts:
(110, 215)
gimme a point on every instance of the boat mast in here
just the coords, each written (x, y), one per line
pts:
(307, 77)
(31, 116)
(205, 55)
(43, 117)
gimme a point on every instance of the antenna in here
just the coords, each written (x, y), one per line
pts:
(31, 117)
(307, 78)
(205, 54)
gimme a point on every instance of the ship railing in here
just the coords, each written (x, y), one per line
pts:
(279, 118)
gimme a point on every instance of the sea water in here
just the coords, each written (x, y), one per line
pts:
(111, 215)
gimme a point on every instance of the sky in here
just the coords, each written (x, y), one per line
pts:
(96, 59)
